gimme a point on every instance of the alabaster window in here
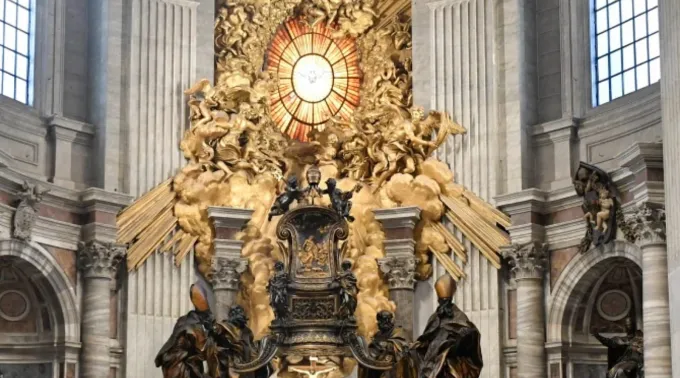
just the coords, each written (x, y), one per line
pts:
(15, 49)
(625, 47)
(318, 77)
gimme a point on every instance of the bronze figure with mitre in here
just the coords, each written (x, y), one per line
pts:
(389, 341)
(626, 353)
(198, 338)
(450, 345)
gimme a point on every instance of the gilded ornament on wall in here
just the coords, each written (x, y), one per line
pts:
(354, 119)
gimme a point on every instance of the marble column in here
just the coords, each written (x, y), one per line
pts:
(227, 264)
(527, 263)
(648, 224)
(399, 263)
(669, 12)
(98, 263)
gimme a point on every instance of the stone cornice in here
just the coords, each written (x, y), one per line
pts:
(641, 155)
(229, 217)
(399, 217)
(560, 130)
(74, 201)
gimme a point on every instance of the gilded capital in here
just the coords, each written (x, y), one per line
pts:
(97, 259)
(399, 271)
(647, 224)
(226, 272)
(526, 260)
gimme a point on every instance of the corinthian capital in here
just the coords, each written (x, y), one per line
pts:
(97, 259)
(526, 260)
(399, 271)
(647, 224)
(226, 272)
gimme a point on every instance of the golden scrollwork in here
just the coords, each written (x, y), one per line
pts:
(237, 157)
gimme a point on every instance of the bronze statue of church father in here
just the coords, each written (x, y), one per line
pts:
(313, 293)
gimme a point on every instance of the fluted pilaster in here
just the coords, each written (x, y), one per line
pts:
(98, 262)
(648, 224)
(669, 12)
(527, 263)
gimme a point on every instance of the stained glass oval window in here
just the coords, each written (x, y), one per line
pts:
(318, 77)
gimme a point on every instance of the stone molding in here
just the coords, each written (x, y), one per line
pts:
(226, 272)
(229, 217)
(647, 224)
(399, 271)
(399, 247)
(526, 261)
(100, 260)
(399, 217)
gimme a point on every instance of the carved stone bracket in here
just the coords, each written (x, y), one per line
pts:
(527, 261)
(27, 210)
(647, 224)
(97, 259)
(399, 271)
(226, 272)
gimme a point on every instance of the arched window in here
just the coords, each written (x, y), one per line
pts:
(625, 47)
(16, 46)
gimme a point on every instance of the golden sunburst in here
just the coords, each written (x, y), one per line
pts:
(319, 77)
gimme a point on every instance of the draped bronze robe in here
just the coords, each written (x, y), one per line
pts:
(449, 347)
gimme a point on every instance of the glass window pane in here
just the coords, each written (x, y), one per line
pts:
(615, 62)
(7, 85)
(627, 33)
(22, 19)
(652, 3)
(641, 51)
(653, 21)
(2, 8)
(617, 86)
(603, 92)
(602, 68)
(639, 6)
(614, 14)
(654, 71)
(629, 57)
(601, 21)
(654, 46)
(626, 10)
(22, 67)
(22, 43)
(602, 44)
(25, 3)
(8, 62)
(10, 13)
(640, 27)
(611, 1)
(600, 3)
(2, 33)
(10, 37)
(629, 82)
(21, 91)
(615, 38)
(642, 75)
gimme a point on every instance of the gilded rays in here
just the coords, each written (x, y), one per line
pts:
(318, 77)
